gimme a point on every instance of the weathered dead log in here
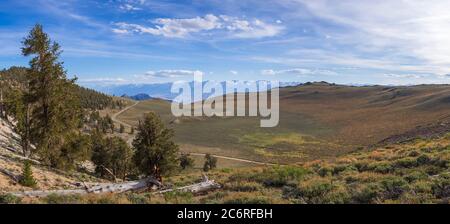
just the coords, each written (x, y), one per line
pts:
(11, 175)
(204, 186)
(14, 157)
(98, 188)
(95, 188)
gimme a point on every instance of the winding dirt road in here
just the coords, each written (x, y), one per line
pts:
(114, 116)
(235, 159)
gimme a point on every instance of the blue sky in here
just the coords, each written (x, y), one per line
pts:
(152, 41)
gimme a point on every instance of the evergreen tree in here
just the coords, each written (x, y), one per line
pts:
(210, 163)
(186, 161)
(55, 110)
(112, 157)
(132, 131)
(20, 107)
(155, 152)
(27, 179)
(122, 128)
(76, 148)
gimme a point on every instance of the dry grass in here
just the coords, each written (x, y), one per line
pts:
(316, 122)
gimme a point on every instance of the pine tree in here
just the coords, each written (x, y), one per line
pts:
(155, 152)
(210, 163)
(55, 109)
(132, 131)
(122, 128)
(186, 161)
(112, 157)
(20, 107)
(27, 179)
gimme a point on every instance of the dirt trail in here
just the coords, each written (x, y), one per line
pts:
(235, 159)
(114, 116)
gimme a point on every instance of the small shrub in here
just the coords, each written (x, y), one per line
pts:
(442, 163)
(423, 159)
(394, 187)
(422, 187)
(186, 161)
(9, 199)
(214, 198)
(343, 168)
(414, 154)
(380, 167)
(416, 175)
(179, 197)
(313, 191)
(62, 199)
(325, 171)
(243, 187)
(427, 150)
(441, 188)
(138, 198)
(27, 178)
(406, 163)
(361, 166)
(280, 176)
(210, 163)
(433, 170)
(367, 194)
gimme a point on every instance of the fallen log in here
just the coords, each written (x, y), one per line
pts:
(95, 189)
(98, 188)
(204, 186)
(10, 175)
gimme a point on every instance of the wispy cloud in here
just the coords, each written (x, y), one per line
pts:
(172, 73)
(298, 72)
(180, 28)
(129, 7)
(397, 29)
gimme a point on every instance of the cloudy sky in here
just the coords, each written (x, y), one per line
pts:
(151, 41)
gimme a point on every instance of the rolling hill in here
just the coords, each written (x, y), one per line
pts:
(317, 120)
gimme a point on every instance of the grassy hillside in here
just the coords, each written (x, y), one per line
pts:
(317, 121)
(413, 172)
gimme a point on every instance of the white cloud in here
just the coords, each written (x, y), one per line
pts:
(298, 72)
(129, 7)
(234, 72)
(250, 29)
(404, 76)
(120, 31)
(104, 81)
(179, 28)
(411, 30)
(172, 73)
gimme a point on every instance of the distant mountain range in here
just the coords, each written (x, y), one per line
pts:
(141, 96)
(158, 90)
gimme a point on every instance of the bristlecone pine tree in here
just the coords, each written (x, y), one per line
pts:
(186, 161)
(210, 163)
(55, 109)
(112, 157)
(155, 152)
(27, 179)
